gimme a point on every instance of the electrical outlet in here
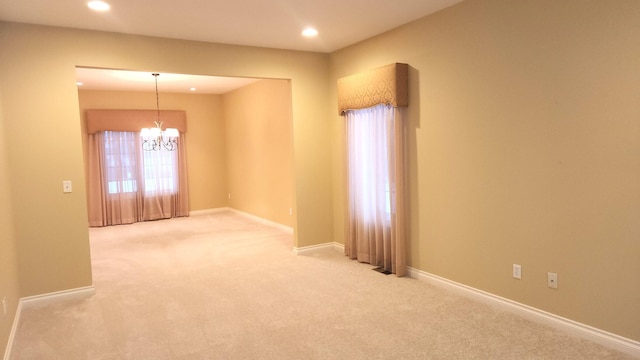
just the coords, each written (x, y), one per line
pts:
(66, 186)
(517, 271)
(552, 280)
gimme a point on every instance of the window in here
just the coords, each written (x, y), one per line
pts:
(370, 150)
(127, 167)
(120, 162)
(160, 174)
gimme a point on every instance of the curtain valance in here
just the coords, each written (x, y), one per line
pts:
(384, 85)
(133, 120)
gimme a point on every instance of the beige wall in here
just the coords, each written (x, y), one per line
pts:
(524, 143)
(45, 147)
(40, 116)
(9, 285)
(259, 149)
(205, 137)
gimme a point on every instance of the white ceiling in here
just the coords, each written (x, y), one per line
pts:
(263, 23)
(121, 80)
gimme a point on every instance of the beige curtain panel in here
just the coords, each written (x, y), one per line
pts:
(133, 120)
(385, 85)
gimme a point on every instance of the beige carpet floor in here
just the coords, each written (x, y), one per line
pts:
(223, 286)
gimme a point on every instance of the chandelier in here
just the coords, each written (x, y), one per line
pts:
(154, 139)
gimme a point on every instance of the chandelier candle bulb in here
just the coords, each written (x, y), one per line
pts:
(155, 132)
(171, 133)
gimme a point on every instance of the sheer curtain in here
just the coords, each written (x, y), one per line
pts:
(127, 184)
(375, 207)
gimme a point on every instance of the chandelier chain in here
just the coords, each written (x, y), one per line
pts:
(158, 123)
(156, 139)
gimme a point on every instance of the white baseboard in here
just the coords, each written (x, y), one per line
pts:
(12, 334)
(610, 340)
(56, 297)
(43, 300)
(263, 221)
(208, 211)
(308, 250)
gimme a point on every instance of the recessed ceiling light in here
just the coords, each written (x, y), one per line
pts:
(79, 83)
(309, 32)
(98, 5)
(193, 89)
